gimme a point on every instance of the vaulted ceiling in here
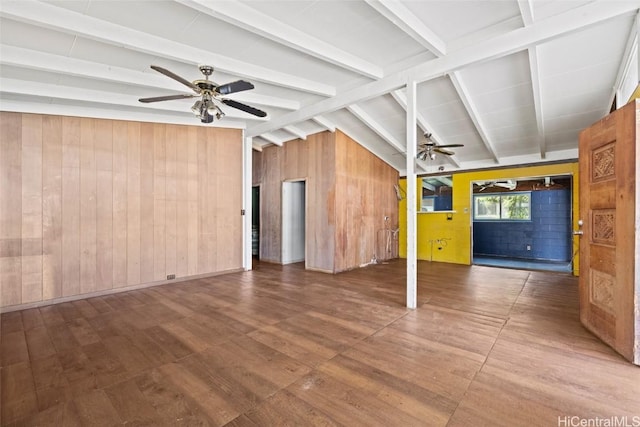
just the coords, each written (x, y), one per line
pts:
(514, 81)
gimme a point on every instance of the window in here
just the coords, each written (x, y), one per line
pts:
(437, 194)
(502, 207)
(428, 204)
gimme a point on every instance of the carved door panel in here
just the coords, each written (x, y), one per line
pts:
(609, 283)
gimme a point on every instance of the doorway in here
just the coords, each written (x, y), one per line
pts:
(524, 223)
(293, 221)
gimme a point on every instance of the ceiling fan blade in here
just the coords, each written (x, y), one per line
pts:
(450, 145)
(176, 77)
(244, 107)
(233, 87)
(443, 151)
(167, 97)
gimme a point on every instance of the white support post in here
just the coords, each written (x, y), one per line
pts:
(412, 255)
(247, 185)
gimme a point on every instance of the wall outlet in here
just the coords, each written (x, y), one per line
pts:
(171, 276)
(528, 247)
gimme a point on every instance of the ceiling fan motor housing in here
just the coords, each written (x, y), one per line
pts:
(207, 70)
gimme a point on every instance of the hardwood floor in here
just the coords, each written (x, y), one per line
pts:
(284, 346)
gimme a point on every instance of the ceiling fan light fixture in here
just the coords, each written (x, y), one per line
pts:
(197, 107)
(206, 117)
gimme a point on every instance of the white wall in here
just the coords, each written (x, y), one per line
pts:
(293, 221)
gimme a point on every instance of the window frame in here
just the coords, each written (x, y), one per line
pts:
(500, 217)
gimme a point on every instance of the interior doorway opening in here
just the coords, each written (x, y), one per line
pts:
(293, 221)
(523, 223)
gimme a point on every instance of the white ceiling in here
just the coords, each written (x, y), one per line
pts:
(514, 81)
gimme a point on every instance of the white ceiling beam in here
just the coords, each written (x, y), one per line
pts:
(497, 47)
(382, 132)
(70, 22)
(250, 19)
(48, 90)
(526, 11)
(410, 24)
(272, 139)
(466, 99)
(537, 100)
(627, 65)
(443, 179)
(296, 131)
(325, 123)
(404, 19)
(377, 127)
(424, 125)
(41, 61)
(428, 186)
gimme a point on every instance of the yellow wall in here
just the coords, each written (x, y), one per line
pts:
(434, 226)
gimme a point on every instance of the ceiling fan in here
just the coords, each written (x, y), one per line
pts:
(509, 184)
(429, 149)
(210, 93)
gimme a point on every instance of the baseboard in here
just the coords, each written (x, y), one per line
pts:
(37, 304)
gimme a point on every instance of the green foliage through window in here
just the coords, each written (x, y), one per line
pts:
(510, 207)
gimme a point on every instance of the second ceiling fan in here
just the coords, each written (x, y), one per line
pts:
(210, 93)
(429, 149)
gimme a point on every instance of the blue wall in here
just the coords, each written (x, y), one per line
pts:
(443, 203)
(548, 232)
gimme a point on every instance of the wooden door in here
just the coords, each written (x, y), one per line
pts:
(610, 246)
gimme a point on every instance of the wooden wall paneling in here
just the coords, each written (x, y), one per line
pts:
(321, 201)
(367, 207)
(133, 203)
(104, 204)
(159, 201)
(295, 162)
(88, 207)
(271, 199)
(182, 206)
(120, 201)
(364, 190)
(173, 135)
(203, 199)
(101, 204)
(147, 215)
(31, 208)
(11, 208)
(71, 232)
(51, 207)
(371, 182)
(340, 214)
(193, 212)
(229, 197)
(312, 204)
(256, 167)
(213, 203)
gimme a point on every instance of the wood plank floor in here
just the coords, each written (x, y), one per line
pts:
(284, 346)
